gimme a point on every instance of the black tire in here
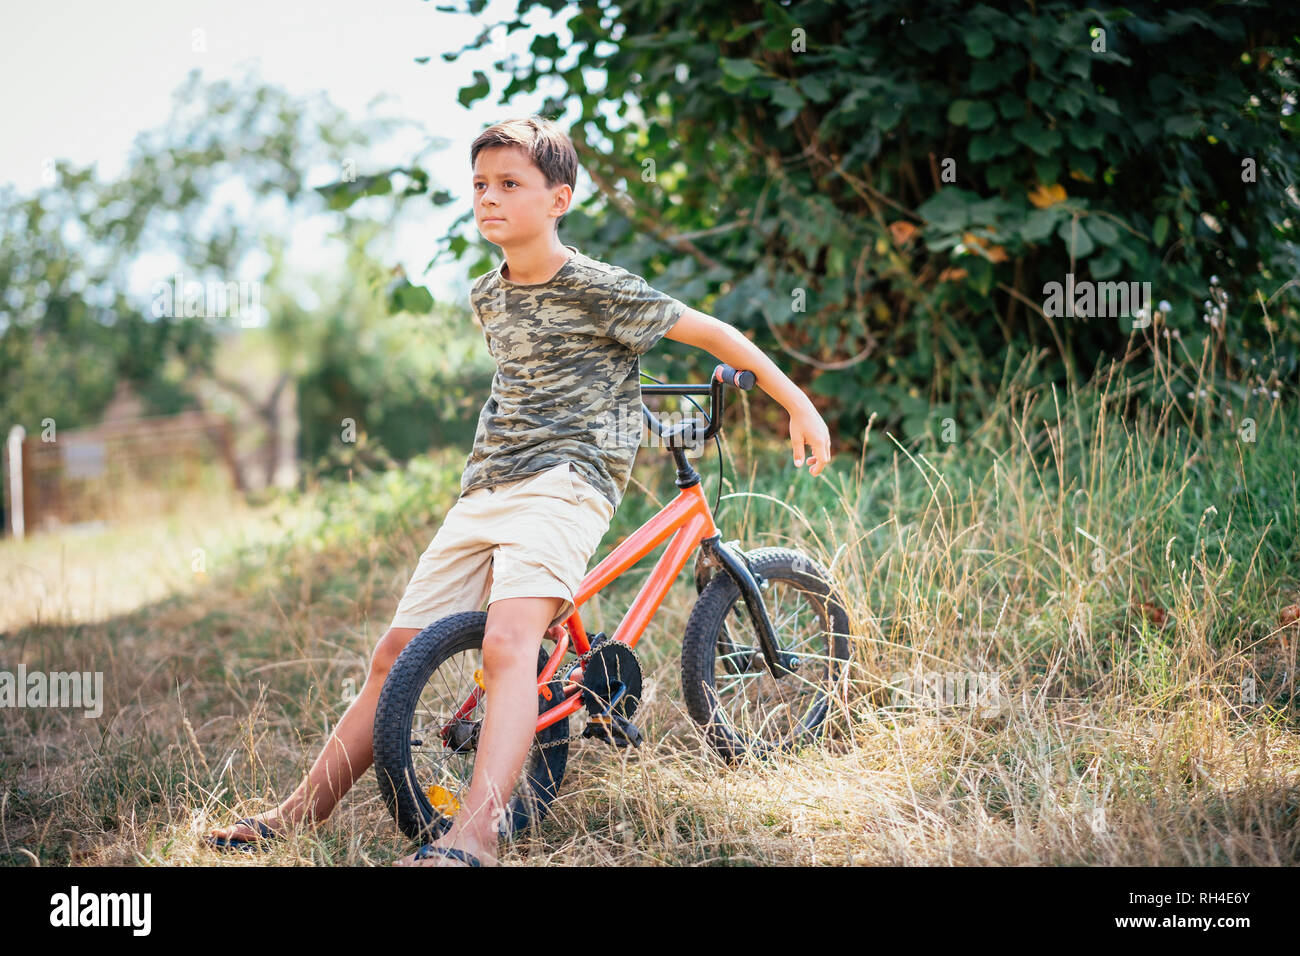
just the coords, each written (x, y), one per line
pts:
(405, 767)
(721, 655)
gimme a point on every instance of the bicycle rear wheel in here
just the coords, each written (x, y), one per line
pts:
(424, 770)
(728, 688)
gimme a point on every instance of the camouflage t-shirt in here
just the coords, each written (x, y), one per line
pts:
(567, 383)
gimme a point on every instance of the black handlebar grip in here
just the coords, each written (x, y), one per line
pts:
(739, 378)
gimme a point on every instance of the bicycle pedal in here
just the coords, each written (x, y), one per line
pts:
(613, 729)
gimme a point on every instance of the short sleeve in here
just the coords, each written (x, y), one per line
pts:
(640, 315)
(473, 311)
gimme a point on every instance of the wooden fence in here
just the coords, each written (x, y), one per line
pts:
(100, 473)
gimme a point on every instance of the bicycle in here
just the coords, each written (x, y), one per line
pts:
(424, 743)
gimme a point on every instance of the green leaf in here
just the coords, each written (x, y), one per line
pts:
(342, 195)
(1183, 126)
(1107, 104)
(742, 31)
(1080, 64)
(986, 146)
(1043, 56)
(1038, 225)
(988, 211)
(947, 210)
(479, 89)
(1040, 92)
(959, 112)
(815, 89)
(987, 75)
(771, 41)
(1104, 266)
(547, 45)
(783, 94)
(1070, 100)
(1010, 105)
(740, 69)
(1077, 241)
(1144, 131)
(835, 261)
(1102, 231)
(887, 116)
(1085, 136)
(981, 115)
(1160, 229)
(1036, 136)
(980, 272)
(1003, 175)
(405, 297)
(732, 85)
(979, 44)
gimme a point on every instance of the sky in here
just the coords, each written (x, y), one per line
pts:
(84, 78)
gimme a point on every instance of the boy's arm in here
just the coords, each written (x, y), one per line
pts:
(728, 345)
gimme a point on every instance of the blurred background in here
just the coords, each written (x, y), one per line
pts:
(239, 380)
(245, 265)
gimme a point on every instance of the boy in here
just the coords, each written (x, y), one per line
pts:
(539, 487)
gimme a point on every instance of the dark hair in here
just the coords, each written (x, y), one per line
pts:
(548, 146)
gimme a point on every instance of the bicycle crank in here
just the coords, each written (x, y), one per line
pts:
(611, 691)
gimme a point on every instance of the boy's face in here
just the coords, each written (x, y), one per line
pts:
(511, 202)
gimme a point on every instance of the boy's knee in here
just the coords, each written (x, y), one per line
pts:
(505, 648)
(389, 648)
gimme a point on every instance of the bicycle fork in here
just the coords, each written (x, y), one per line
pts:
(734, 563)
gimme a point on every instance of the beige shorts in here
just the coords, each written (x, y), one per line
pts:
(532, 537)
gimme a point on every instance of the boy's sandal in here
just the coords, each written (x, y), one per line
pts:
(429, 850)
(265, 836)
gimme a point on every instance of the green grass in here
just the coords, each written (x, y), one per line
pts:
(1025, 550)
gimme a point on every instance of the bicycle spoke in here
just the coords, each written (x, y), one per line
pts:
(750, 700)
(437, 764)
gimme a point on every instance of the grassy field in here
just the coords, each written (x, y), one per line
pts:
(1124, 573)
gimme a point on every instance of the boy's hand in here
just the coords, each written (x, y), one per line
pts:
(807, 427)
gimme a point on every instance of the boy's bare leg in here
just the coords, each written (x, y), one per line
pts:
(347, 754)
(514, 631)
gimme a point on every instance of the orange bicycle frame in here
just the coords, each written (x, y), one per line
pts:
(688, 520)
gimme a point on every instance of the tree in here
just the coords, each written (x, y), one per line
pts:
(70, 329)
(883, 190)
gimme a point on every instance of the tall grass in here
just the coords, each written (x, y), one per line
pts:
(1110, 566)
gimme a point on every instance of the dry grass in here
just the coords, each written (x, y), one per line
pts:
(160, 547)
(1025, 551)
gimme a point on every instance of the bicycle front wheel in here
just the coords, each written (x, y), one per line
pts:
(728, 688)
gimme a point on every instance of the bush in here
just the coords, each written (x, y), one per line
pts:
(883, 190)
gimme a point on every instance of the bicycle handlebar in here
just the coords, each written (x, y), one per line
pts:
(737, 378)
(723, 376)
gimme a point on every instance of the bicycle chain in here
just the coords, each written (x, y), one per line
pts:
(582, 660)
